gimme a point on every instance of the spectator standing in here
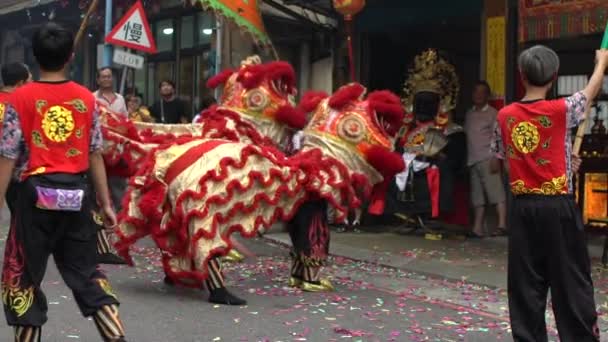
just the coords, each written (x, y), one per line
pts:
(170, 109)
(486, 187)
(105, 95)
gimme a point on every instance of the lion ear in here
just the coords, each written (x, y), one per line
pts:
(311, 99)
(219, 79)
(346, 94)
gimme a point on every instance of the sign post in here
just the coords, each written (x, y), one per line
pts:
(133, 32)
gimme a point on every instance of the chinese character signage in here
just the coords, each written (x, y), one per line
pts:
(550, 19)
(133, 31)
(495, 55)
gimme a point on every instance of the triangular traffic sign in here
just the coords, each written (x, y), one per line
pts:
(133, 31)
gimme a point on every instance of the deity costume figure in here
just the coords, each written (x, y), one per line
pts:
(431, 144)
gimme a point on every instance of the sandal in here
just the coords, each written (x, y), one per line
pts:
(500, 231)
(473, 235)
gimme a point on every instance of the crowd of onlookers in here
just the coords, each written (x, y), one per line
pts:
(169, 109)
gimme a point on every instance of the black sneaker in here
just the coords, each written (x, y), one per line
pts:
(222, 296)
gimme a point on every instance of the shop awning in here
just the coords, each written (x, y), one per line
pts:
(316, 13)
(550, 19)
(8, 6)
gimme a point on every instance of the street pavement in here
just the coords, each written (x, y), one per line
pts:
(389, 288)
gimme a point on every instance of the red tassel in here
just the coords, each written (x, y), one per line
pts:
(378, 197)
(346, 94)
(290, 116)
(432, 179)
(311, 99)
(219, 79)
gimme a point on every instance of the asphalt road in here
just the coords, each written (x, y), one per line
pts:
(372, 303)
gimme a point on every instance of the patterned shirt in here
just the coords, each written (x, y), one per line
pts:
(575, 114)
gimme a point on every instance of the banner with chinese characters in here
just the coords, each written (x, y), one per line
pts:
(495, 55)
(549, 19)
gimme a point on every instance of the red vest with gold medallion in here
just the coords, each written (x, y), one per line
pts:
(56, 120)
(534, 137)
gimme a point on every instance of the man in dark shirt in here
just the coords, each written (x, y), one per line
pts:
(170, 109)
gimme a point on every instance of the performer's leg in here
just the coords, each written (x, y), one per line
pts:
(309, 233)
(570, 275)
(217, 288)
(297, 268)
(27, 334)
(75, 256)
(527, 276)
(477, 199)
(28, 247)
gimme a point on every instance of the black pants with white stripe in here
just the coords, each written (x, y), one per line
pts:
(548, 250)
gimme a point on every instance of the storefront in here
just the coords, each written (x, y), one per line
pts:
(391, 36)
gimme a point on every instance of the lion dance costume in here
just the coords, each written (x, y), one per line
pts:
(191, 195)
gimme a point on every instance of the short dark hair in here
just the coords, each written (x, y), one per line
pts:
(539, 65)
(53, 45)
(100, 70)
(482, 83)
(160, 84)
(14, 73)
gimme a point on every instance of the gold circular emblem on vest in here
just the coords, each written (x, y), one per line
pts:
(2, 109)
(525, 137)
(58, 124)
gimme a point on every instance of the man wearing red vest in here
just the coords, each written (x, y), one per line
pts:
(53, 126)
(14, 75)
(547, 246)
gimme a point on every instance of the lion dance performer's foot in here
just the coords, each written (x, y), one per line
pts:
(223, 296)
(105, 253)
(307, 278)
(218, 294)
(233, 256)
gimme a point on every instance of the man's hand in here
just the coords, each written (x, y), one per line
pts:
(576, 163)
(495, 165)
(601, 56)
(109, 217)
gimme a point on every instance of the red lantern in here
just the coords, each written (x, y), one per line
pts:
(349, 8)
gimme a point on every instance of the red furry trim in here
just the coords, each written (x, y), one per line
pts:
(346, 94)
(291, 117)
(219, 79)
(251, 76)
(386, 162)
(311, 99)
(174, 238)
(282, 71)
(388, 106)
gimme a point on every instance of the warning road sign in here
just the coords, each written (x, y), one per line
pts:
(133, 31)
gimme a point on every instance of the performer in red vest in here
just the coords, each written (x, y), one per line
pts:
(547, 246)
(53, 126)
(14, 75)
